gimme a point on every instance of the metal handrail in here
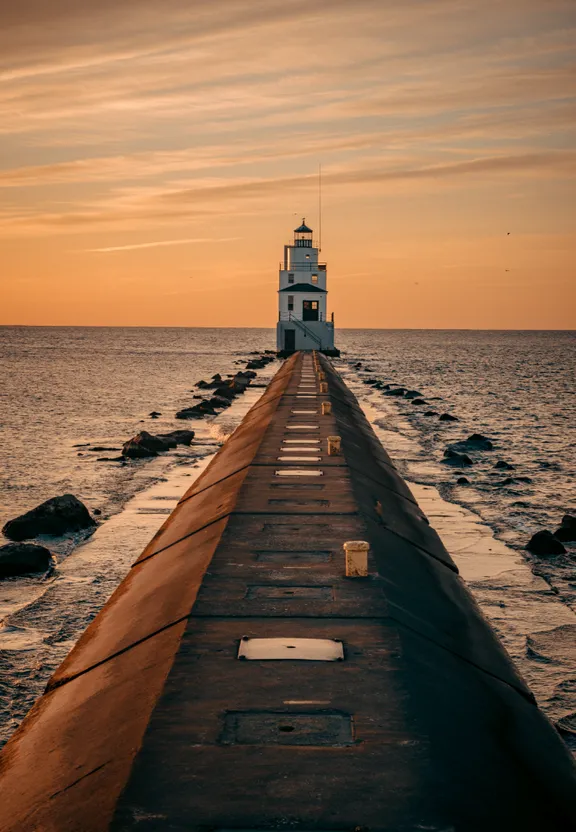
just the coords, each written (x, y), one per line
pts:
(307, 331)
(290, 316)
(303, 267)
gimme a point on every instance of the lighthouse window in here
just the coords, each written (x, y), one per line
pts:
(290, 278)
(314, 278)
(290, 303)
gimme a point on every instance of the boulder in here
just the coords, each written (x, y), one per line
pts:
(111, 459)
(452, 457)
(198, 411)
(395, 391)
(418, 401)
(23, 558)
(447, 417)
(218, 401)
(177, 437)
(463, 481)
(413, 394)
(259, 364)
(225, 392)
(217, 377)
(57, 516)
(567, 531)
(132, 450)
(190, 413)
(479, 442)
(431, 413)
(371, 381)
(476, 442)
(154, 414)
(545, 543)
(504, 466)
(143, 445)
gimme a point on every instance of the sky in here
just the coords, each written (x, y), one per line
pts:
(155, 158)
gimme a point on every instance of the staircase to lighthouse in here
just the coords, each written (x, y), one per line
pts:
(303, 322)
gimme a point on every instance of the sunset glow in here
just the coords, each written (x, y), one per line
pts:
(156, 157)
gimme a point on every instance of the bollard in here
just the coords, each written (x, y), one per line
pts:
(356, 553)
(323, 387)
(334, 445)
(326, 408)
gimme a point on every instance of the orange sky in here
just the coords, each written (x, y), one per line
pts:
(156, 157)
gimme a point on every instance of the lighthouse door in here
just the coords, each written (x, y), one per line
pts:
(290, 340)
(310, 310)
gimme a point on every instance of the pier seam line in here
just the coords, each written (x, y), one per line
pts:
(453, 569)
(180, 539)
(212, 484)
(382, 485)
(50, 688)
(528, 698)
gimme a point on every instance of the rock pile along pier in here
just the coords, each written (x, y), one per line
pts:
(239, 679)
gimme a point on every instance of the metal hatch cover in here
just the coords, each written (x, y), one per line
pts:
(300, 649)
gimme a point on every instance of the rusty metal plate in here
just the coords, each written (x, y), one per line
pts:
(292, 649)
(314, 486)
(309, 503)
(289, 557)
(287, 459)
(296, 448)
(299, 472)
(301, 441)
(278, 728)
(289, 592)
(309, 528)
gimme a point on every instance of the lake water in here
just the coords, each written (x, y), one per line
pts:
(66, 390)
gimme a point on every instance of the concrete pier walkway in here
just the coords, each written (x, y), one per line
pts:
(238, 680)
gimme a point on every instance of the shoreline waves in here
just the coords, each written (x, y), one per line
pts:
(75, 386)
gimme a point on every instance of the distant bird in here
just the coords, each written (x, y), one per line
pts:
(506, 270)
(507, 233)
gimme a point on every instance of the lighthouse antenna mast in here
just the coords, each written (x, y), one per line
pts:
(319, 207)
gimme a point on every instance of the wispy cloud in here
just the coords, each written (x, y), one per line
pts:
(159, 243)
(129, 125)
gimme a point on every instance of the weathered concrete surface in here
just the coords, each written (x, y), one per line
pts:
(152, 722)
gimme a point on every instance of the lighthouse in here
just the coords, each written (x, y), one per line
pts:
(303, 322)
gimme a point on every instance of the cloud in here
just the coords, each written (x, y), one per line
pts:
(159, 243)
(149, 207)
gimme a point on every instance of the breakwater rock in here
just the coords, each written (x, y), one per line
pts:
(23, 559)
(55, 517)
(146, 444)
(545, 543)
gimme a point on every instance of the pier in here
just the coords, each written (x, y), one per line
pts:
(250, 674)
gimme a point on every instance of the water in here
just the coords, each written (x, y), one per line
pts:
(66, 390)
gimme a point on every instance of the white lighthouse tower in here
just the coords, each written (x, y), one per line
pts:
(302, 318)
